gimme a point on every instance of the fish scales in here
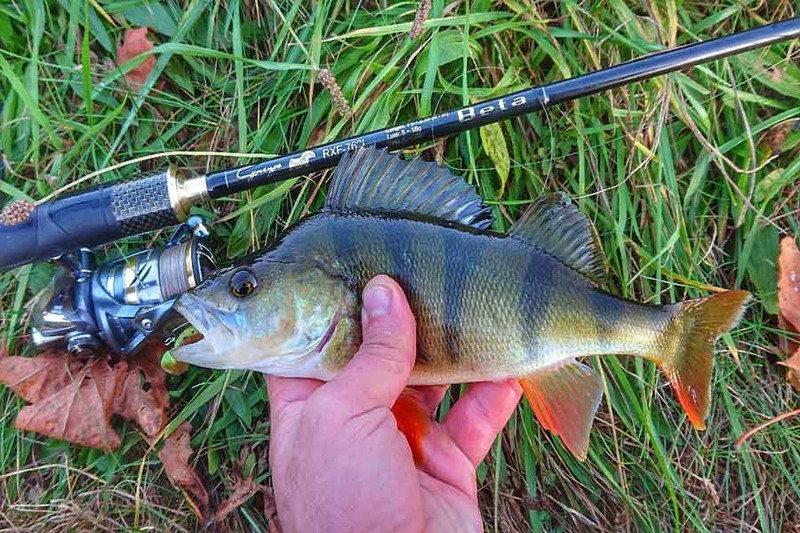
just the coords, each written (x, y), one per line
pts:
(525, 305)
(496, 307)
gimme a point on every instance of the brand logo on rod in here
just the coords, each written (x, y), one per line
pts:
(302, 160)
(487, 108)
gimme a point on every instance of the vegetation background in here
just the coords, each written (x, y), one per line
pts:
(690, 179)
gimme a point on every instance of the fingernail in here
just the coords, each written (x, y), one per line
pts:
(377, 300)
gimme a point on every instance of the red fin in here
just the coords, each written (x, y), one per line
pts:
(564, 400)
(687, 357)
(412, 420)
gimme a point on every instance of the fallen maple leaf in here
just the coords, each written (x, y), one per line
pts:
(81, 411)
(793, 363)
(74, 400)
(175, 457)
(134, 43)
(789, 303)
(37, 378)
(789, 319)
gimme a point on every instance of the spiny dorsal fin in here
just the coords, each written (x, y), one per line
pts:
(553, 224)
(372, 179)
(564, 399)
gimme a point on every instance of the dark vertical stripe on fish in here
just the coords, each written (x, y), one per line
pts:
(607, 313)
(368, 246)
(398, 239)
(397, 245)
(459, 265)
(344, 247)
(427, 257)
(536, 287)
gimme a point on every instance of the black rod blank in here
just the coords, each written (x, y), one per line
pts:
(449, 123)
(108, 212)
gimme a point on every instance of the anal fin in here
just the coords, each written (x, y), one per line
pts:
(564, 399)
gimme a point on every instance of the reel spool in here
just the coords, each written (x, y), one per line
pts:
(120, 303)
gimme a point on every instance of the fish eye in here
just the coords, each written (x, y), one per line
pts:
(243, 283)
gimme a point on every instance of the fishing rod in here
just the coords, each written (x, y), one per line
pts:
(134, 288)
(106, 213)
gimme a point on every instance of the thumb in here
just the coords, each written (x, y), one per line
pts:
(379, 371)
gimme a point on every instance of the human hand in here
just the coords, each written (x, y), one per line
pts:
(338, 460)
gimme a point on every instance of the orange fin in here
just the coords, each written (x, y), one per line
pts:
(413, 420)
(688, 349)
(564, 399)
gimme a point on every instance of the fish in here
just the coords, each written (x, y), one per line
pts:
(528, 304)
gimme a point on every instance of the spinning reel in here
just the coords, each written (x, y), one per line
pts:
(119, 304)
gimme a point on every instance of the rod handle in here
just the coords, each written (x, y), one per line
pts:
(90, 218)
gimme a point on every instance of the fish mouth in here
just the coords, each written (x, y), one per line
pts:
(222, 340)
(206, 319)
(217, 327)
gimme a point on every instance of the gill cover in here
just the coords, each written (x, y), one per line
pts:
(268, 316)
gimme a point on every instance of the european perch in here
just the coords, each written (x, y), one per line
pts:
(489, 306)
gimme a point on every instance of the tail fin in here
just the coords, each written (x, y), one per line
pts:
(687, 350)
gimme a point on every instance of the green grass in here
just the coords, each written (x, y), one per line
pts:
(685, 176)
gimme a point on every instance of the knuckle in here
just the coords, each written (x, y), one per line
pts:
(392, 360)
(389, 339)
(486, 417)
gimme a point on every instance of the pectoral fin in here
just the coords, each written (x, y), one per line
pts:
(564, 399)
(413, 420)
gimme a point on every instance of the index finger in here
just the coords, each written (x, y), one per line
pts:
(477, 417)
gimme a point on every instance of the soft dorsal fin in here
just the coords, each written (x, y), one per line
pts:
(372, 179)
(553, 224)
(564, 399)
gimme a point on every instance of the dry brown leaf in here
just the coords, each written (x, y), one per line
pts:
(81, 411)
(793, 370)
(789, 282)
(789, 302)
(37, 378)
(175, 456)
(776, 136)
(74, 400)
(242, 492)
(134, 43)
(142, 395)
(794, 362)
(271, 511)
